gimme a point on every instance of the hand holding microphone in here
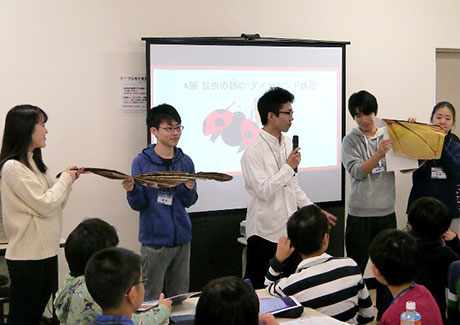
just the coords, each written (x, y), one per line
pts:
(294, 158)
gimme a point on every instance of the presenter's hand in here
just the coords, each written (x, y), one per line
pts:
(294, 158)
(384, 147)
(332, 219)
(412, 119)
(267, 319)
(448, 235)
(73, 172)
(81, 170)
(128, 184)
(283, 249)
(162, 301)
(190, 184)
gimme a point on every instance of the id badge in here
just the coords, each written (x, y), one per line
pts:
(380, 168)
(165, 199)
(438, 173)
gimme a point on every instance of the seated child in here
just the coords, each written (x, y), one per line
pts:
(73, 303)
(333, 286)
(453, 304)
(230, 301)
(429, 221)
(394, 262)
(114, 279)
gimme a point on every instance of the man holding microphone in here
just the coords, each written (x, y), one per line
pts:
(273, 193)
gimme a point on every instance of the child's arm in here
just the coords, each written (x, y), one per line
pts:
(450, 158)
(136, 195)
(187, 191)
(366, 310)
(273, 277)
(451, 239)
(156, 315)
(355, 162)
(258, 177)
(267, 319)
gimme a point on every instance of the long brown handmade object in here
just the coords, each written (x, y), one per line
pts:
(160, 179)
(416, 140)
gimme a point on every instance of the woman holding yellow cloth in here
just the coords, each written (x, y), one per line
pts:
(438, 177)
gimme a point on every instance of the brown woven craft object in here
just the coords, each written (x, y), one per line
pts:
(160, 179)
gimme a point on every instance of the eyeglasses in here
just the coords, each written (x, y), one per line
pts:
(170, 129)
(287, 112)
(144, 281)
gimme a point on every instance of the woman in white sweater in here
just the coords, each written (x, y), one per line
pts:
(32, 203)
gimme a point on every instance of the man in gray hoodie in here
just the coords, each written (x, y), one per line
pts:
(372, 195)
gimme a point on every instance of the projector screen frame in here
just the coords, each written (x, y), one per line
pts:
(269, 41)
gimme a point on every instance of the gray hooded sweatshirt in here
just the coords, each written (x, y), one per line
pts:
(371, 195)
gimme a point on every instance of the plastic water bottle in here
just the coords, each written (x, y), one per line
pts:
(411, 316)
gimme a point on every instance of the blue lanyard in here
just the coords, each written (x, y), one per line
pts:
(403, 292)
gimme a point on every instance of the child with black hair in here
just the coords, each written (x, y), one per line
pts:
(333, 286)
(438, 178)
(114, 279)
(272, 188)
(165, 229)
(429, 221)
(73, 303)
(394, 263)
(371, 203)
(230, 301)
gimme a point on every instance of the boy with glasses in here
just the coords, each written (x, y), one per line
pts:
(114, 280)
(272, 189)
(164, 225)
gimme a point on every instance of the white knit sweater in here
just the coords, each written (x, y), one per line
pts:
(32, 204)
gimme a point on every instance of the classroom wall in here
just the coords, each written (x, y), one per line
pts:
(448, 78)
(67, 57)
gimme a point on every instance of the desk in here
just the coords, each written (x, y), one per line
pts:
(188, 307)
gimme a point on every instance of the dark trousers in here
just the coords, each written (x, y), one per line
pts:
(259, 253)
(359, 233)
(32, 284)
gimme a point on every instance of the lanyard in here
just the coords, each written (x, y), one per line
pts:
(403, 292)
(368, 151)
(274, 157)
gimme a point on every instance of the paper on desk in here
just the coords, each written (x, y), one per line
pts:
(396, 162)
(311, 320)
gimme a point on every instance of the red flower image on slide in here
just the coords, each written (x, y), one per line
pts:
(234, 128)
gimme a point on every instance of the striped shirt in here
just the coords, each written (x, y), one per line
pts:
(333, 286)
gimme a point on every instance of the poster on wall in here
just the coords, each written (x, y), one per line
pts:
(133, 91)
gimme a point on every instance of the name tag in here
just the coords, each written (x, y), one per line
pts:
(165, 199)
(380, 168)
(438, 173)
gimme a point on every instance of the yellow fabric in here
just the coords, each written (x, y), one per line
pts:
(416, 140)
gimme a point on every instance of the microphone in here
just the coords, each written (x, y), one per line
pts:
(295, 144)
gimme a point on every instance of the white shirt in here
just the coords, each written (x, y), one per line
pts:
(272, 189)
